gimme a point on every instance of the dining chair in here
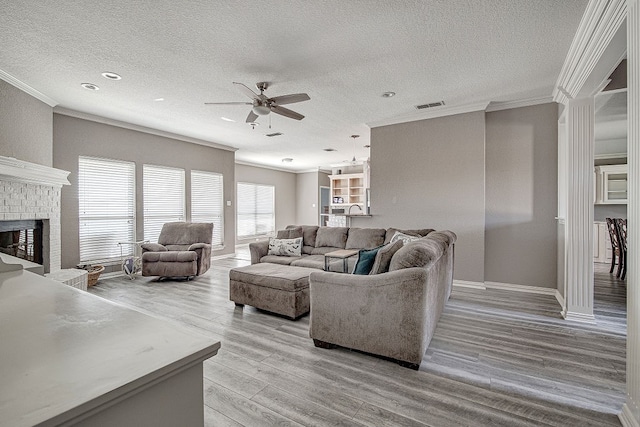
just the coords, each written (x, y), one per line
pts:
(621, 227)
(616, 252)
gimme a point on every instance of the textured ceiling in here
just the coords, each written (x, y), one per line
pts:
(343, 53)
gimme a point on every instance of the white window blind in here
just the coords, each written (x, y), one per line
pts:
(256, 212)
(207, 202)
(107, 214)
(163, 196)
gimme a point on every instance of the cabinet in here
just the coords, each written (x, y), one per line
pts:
(602, 251)
(611, 184)
(347, 190)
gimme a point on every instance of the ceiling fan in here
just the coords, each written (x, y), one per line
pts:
(263, 105)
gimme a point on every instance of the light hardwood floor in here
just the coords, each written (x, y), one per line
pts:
(498, 358)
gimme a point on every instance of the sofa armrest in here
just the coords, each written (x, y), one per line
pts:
(153, 247)
(199, 246)
(384, 314)
(258, 250)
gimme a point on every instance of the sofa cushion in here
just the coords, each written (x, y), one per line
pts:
(383, 257)
(311, 261)
(322, 251)
(277, 259)
(177, 247)
(285, 247)
(392, 231)
(332, 236)
(308, 233)
(405, 238)
(289, 233)
(365, 238)
(420, 253)
(308, 249)
(366, 258)
(170, 256)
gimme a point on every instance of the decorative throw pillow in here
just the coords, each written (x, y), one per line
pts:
(285, 247)
(402, 236)
(383, 257)
(366, 257)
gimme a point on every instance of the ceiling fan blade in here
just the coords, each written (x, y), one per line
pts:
(286, 112)
(251, 117)
(290, 99)
(228, 103)
(244, 89)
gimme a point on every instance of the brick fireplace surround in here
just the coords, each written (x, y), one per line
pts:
(32, 191)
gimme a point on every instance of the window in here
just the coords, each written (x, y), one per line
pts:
(207, 202)
(106, 200)
(163, 195)
(256, 216)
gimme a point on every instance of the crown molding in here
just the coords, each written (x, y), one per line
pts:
(138, 128)
(610, 156)
(256, 165)
(600, 22)
(508, 105)
(28, 89)
(427, 114)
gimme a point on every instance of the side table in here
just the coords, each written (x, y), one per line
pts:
(131, 265)
(73, 277)
(343, 254)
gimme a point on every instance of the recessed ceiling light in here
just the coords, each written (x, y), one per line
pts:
(159, 99)
(111, 76)
(227, 119)
(367, 146)
(90, 86)
(287, 160)
(329, 149)
(388, 94)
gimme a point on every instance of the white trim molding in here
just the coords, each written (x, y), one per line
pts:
(598, 26)
(256, 165)
(468, 284)
(28, 89)
(520, 288)
(138, 128)
(508, 105)
(430, 113)
(15, 170)
(626, 417)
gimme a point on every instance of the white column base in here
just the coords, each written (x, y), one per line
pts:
(578, 317)
(626, 417)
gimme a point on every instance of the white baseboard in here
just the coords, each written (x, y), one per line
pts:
(579, 317)
(626, 417)
(560, 298)
(520, 288)
(468, 284)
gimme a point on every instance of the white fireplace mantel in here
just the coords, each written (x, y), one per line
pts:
(15, 170)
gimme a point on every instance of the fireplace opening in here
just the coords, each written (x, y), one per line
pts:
(22, 239)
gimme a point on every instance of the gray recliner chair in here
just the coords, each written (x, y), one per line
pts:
(183, 250)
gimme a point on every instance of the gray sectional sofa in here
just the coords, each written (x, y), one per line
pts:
(391, 312)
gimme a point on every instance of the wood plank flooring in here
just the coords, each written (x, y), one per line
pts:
(498, 358)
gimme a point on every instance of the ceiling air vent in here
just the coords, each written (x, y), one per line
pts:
(430, 105)
(274, 134)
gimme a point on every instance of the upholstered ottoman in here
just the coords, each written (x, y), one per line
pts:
(271, 287)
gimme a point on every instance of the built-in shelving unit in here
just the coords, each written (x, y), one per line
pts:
(611, 184)
(347, 190)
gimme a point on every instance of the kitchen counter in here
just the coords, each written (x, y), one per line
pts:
(71, 357)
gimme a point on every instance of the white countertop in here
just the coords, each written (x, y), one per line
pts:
(64, 352)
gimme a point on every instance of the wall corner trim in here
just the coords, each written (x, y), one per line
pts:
(560, 298)
(508, 105)
(28, 89)
(626, 417)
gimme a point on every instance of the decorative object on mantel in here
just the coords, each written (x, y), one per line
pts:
(93, 271)
(5, 268)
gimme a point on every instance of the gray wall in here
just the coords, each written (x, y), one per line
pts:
(602, 212)
(308, 196)
(521, 196)
(430, 173)
(75, 137)
(26, 126)
(285, 183)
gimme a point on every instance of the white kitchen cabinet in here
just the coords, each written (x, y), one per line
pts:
(611, 184)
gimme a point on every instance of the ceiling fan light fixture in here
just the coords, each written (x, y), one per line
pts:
(261, 110)
(90, 86)
(111, 76)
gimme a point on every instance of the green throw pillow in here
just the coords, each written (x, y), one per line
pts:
(366, 257)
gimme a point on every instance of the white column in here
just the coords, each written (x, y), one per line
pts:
(579, 206)
(631, 411)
